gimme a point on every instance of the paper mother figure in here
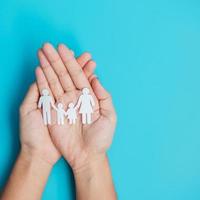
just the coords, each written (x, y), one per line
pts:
(85, 102)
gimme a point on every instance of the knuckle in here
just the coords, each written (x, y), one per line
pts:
(59, 98)
(69, 60)
(62, 73)
(55, 60)
(46, 66)
(53, 82)
(69, 88)
(77, 72)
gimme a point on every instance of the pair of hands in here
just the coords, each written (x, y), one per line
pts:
(64, 76)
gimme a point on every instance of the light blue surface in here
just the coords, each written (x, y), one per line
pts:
(148, 56)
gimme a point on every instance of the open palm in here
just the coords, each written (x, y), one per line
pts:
(38, 140)
(62, 75)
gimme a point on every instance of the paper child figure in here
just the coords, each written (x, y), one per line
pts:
(45, 102)
(60, 114)
(71, 114)
(85, 102)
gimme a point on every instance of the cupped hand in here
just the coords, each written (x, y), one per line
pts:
(63, 76)
(34, 135)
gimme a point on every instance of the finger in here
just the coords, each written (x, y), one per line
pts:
(91, 78)
(32, 95)
(50, 75)
(59, 68)
(76, 73)
(87, 64)
(83, 59)
(30, 101)
(72, 52)
(42, 81)
(105, 100)
(89, 68)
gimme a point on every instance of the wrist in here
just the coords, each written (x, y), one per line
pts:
(33, 158)
(89, 163)
(28, 177)
(94, 180)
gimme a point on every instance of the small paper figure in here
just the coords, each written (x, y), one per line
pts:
(60, 113)
(85, 102)
(71, 114)
(45, 102)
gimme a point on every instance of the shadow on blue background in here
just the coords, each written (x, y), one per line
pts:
(147, 55)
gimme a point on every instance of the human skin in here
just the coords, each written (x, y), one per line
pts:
(83, 146)
(38, 153)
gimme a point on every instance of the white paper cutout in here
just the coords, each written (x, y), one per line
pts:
(71, 114)
(85, 102)
(60, 113)
(45, 102)
(85, 105)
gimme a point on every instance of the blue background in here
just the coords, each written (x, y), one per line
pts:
(147, 55)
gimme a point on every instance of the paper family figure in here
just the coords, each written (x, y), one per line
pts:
(85, 105)
(85, 102)
(71, 114)
(60, 113)
(46, 102)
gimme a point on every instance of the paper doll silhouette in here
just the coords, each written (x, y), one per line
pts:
(71, 114)
(45, 102)
(60, 114)
(85, 102)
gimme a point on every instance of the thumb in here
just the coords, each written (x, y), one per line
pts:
(30, 101)
(104, 98)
